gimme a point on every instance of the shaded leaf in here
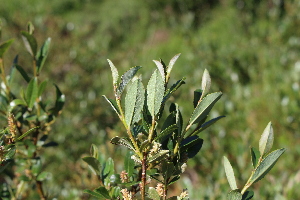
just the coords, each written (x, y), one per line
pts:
(30, 43)
(266, 165)
(229, 173)
(42, 87)
(125, 78)
(114, 72)
(4, 46)
(191, 145)
(42, 55)
(158, 156)
(197, 96)
(27, 132)
(32, 92)
(16, 102)
(129, 163)
(59, 102)
(155, 93)
(173, 88)
(94, 151)
(23, 73)
(234, 195)
(36, 166)
(113, 104)
(153, 194)
(166, 132)
(248, 195)
(173, 180)
(167, 169)
(255, 155)
(95, 194)
(93, 163)
(207, 124)
(43, 176)
(266, 140)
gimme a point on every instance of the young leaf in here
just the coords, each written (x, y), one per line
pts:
(155, 93)
(59, 102)
(248, 195)
(114, 72)
(42, 87)
(173, 88)
(125, 78)
(113, 104)
(229, 174)
(93, 163)
(204, 107)
(134, 102)
(206, 82)
(108, 168)
(266, 165)
(160, 68)
(30, 43)
(16, 102)
(266, 140)
(153, 194)
(255, 155)
(42, 55)
(23, 73)
(94, 151)
(170, 66)
(32, 92)
(234, 195)
(207, 124)
(122, 141)
(4, 46)
(129, 163)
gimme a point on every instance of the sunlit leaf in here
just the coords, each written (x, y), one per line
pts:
(125, 78)
(114, 72)
(266, 140)
(234, 195)
(160, 68)
(229, 173)
(30, 43)
(93, 163)
(170, 66)
(255, 155)
(153, 194)
(32, 92)
(206, 82)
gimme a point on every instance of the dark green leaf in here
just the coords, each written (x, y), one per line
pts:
(30, 43)
(158, 156)
(234, 195)
(32, 92)
(266, 165)
(166, 132)
(173, 180)
(167, 169)
(129, 163)
(23, 73)
(113, 104)
(16, 102)
(42, 88)
(42, 55)
(155, 93)
(191, 145)
(95, 194)
(4, 46)
(125, 78)
(206, 125)
(108, 168)
(255, 155)
(248, 195)
(229, 173)
(59, 102)
(93, 163)
(197, 96)
(172, 89)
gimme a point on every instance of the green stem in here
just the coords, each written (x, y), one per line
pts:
(151, 131)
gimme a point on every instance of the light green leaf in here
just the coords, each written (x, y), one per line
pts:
(93, 163)
(134, 102)
(266, 165)
(234, 195)
(108, 168)
(27, 132)
(206, 82)
(32, 92)
(229, 174)
(114, 72)
(42, 87)
(173, 88)
(129, 163)
(204, 107)
(16, 102)
(125, 78)
(160, 68)
(43, 176)
(153, 194)
(122, 141)
(113, 104)
(42, 55)
(4, 46)
(266, 140)
(158, 156)
(170, 66)
(255, 155)
(30, 43)
(155, 93)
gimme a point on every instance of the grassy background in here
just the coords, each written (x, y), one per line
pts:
(251, 48)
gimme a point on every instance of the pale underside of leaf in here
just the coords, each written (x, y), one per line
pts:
(266, 140)
(230, 174)
(160, 67)
(206, 82)
(114, 72)
(234, 195)
(172, 62)
(125, 79)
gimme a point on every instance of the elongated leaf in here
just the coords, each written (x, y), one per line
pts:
(173, 88)
(248, 195)
(129, 163)
(207, 124)
(42, 87)
(266, 165)
(94, 151)
(16, 102)
(122, 141)
(30, 43)
(134, 102)
(114, 72)
(191, 145)
(167, 169)
(23, 73)
(197, 96)
(59, 102)
(42, 55)
(158, 156)
(160, 68)
(266, 140)
(229, 174)
(171, 64)
(173, 180)
(36, 166)
(108, 168)
(206, 82)
(153, 194)
(255, 155)
(103, 191)
(4, 46)
(113, 104)
(95, 194)
(166, 132)
(32, 92)
(155, 93)
(204, 107)
(93, 163)
(43, 176)
(125, 78)
(27, 132)
(234, 195)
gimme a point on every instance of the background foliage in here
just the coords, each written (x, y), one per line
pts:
(251, 48)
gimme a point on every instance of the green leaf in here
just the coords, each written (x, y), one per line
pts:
(129, 163)
(27, 132)
(204, 107)
(42, 87)
(255, 155)
(30, 43)
(170, 66)
(108, 170)
(94, 151)
(206, 82)
(23, 73)
(248, 195)
(173, 88)
(42, 176)
(155, 93)
(114, 72)
(36, 166)
(266, 165)
(59, 102)
(234, 195)
(166, 132)
(32, 92)
(229, 174)
(134, 102)
(191, 145)
(173, 180)
(125, 78)
(94, 164)
(30, 28)
(167, 169)
(122, 141)
(4, 46)
(197, 96)
(266, 140)
(113, 104)
(207, 124)
(103, 191)
(16, 102)
(160, 68)
(153, 194)
(95, 194)
(161, 154)
(42, 55)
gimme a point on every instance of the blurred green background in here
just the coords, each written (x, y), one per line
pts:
(250, 47)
